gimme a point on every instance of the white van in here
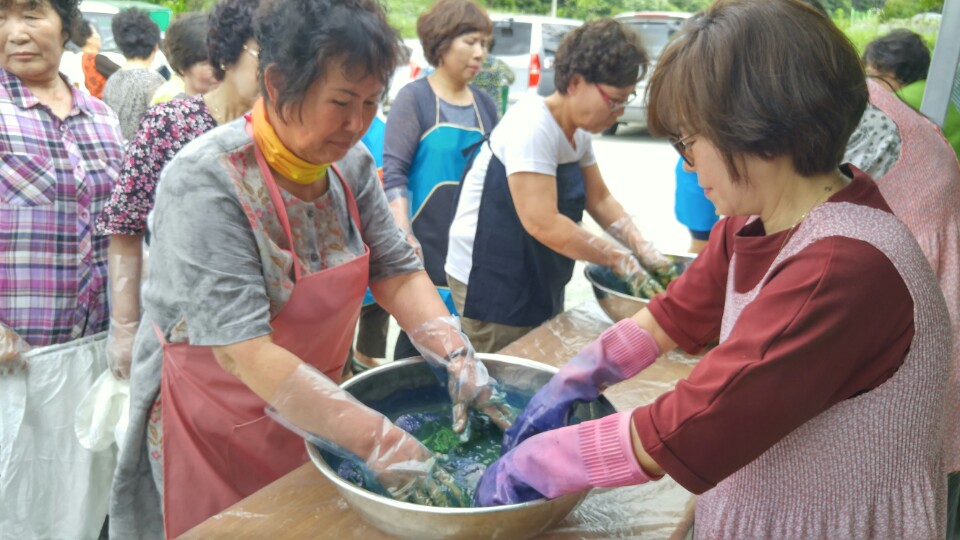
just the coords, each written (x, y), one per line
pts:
(528, 44)
(655, 29)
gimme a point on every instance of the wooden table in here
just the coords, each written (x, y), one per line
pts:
(304, 504)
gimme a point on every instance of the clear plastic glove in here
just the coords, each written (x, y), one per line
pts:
(124, 271)
(625, 231)
(120, 338)
(639, 282)
(313, 406)
(11, 347)
(400, 208)
(598, 453)
(451, 356)
(621, 351)
(415, 244)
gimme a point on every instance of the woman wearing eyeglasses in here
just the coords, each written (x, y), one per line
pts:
(516, 233)
(820, 414)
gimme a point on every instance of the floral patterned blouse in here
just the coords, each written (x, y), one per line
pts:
(164, 130)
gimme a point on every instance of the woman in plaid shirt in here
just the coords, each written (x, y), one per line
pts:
(60, 153)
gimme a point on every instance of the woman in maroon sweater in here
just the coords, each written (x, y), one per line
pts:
(819, 415)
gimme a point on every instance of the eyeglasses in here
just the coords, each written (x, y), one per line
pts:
(615, 105)
(254, 52)
(682, 147)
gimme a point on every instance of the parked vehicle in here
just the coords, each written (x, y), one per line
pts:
(528, 44)
(655, 29)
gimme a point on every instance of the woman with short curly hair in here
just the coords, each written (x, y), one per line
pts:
(266, 232)
(129, 91)
(516, 233)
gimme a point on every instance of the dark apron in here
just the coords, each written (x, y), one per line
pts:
(516, 280)
(433, 188)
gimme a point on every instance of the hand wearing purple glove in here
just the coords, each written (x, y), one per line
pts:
(621, 352)
(598, 453)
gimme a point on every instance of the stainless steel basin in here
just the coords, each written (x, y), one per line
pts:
(616, 302)
(378, 387)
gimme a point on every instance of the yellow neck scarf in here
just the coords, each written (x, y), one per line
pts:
(279, 156)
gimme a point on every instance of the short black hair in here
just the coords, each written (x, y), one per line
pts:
(82, 32)
(185, 43)
(603, 51)
(301, 39)
(135, 33)
(900, 52)
(229, 26)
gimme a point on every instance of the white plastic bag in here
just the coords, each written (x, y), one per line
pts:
(103, 413)
(51, 486)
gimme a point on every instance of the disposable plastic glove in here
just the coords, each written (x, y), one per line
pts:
(639, 282)
(598, 453)
(11, 347)
(124, 271)
(400, 208)
(451, 356)
(120, 337)
(625, 231)
(313, 406)
(620, 352)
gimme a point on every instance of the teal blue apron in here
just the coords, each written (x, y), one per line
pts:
(434, 180)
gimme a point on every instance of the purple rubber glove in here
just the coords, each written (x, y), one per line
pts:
(598, 453)
(621, 352)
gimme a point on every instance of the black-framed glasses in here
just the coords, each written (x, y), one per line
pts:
(614, 105)
(682, 147)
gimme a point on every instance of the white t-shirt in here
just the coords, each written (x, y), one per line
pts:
(527, 139)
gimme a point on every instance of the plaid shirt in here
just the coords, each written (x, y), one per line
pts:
(55, 176)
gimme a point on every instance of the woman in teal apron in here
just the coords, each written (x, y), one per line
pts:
(432, 124)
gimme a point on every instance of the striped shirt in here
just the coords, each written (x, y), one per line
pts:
(55, 176)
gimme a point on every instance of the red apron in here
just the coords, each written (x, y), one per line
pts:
(218, 446)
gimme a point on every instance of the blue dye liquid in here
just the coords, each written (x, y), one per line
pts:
(427, 415)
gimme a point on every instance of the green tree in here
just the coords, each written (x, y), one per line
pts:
(904, 9)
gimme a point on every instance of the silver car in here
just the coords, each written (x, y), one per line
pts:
(528, 44)
(655, 29)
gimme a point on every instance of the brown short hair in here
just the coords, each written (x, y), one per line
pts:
(767, 78)
(446, 21)
(603, 51)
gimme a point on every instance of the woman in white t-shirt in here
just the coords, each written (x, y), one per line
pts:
(516, 233)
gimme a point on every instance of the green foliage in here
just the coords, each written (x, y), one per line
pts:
(904, 9)
(862, 27)
(184, 6)
(403, 14)
(862, 20)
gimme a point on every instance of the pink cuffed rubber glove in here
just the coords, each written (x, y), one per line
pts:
(598, 453)
(620, 352)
